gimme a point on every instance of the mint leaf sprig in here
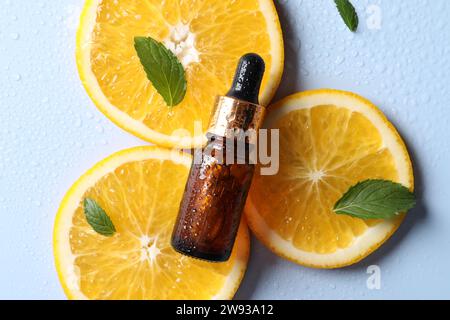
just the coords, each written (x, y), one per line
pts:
(348, 14)
(97, 218)
(375, 199)
(163, 69)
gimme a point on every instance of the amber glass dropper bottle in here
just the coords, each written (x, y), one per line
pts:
(217, 187)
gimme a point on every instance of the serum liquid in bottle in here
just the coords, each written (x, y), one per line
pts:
(217, 187)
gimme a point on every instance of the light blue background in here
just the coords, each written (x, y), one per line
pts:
(50, 133)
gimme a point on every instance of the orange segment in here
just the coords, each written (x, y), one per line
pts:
(140, 190)
(329, 141)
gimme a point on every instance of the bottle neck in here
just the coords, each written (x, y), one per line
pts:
(233, 117)
(230, 150)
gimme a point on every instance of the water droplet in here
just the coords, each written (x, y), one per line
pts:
(78, 123)
(340, 60)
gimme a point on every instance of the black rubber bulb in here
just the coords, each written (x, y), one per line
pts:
(247, 79)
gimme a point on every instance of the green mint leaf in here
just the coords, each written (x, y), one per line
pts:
(163, 69)
(348, 14)
(375, 199)
(97, 218)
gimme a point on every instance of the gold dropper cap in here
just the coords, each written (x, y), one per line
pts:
(232, 114)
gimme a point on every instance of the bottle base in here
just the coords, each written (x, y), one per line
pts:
(206, 256)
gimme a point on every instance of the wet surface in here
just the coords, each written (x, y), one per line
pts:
(50, 133)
